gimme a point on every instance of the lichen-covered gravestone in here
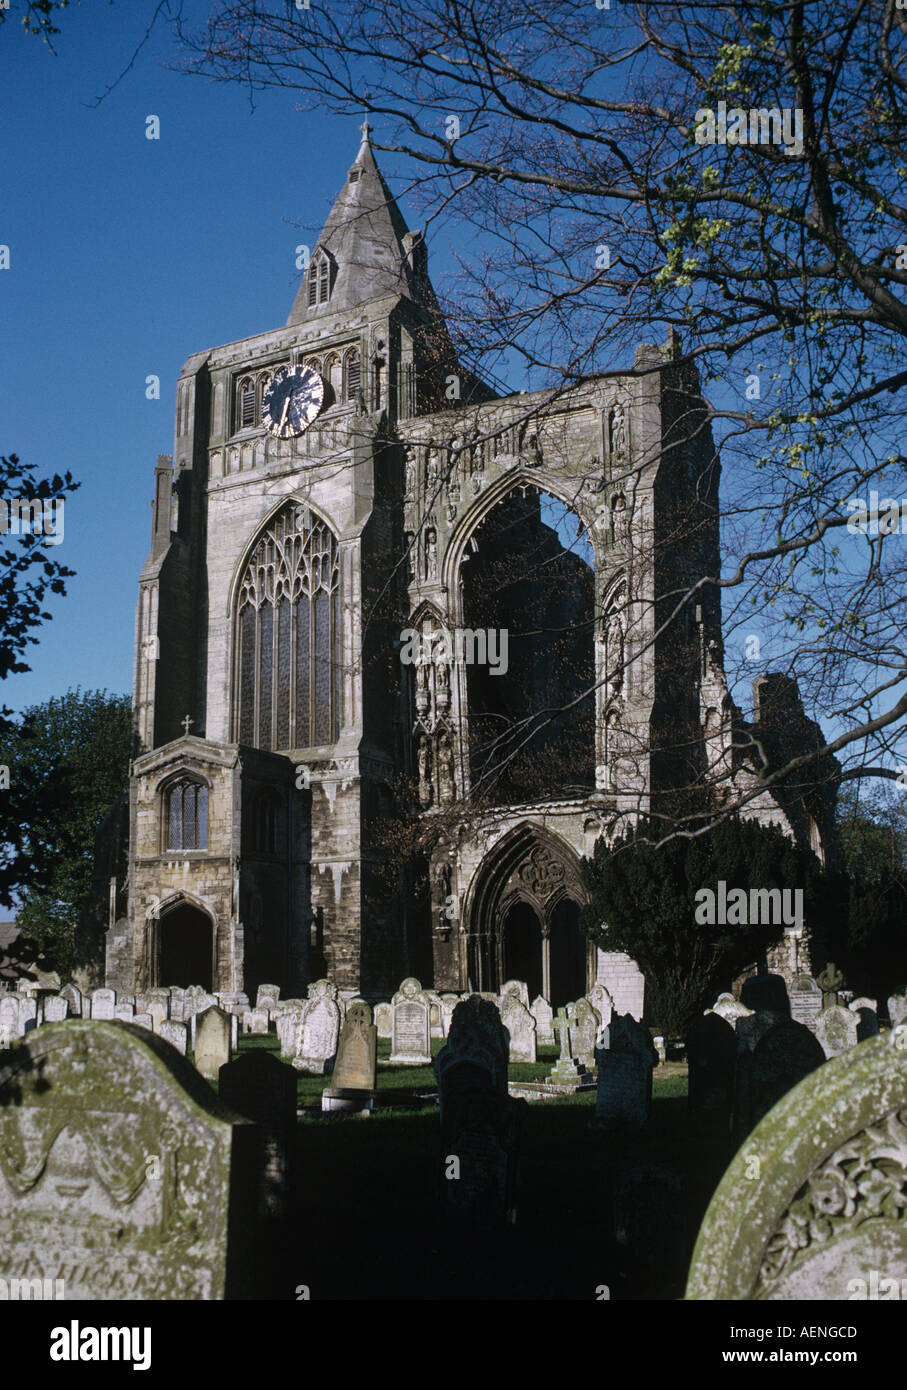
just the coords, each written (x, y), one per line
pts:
(814, 1201)
(73, 996)
(867, 1014)
(410, 1026)
(353, 1077)
(103, 1003)
(836, 1029)
(476, 1051)
(897, 1009)
(55, 1009)
(518, 989)
(317, 1034)
(585, 1023)
(543, 1014)
(805, 1000)
(267, 997)
(176, 1034)
(287, 1023)
(119, 1171)
(601, 1002)
(383, 1019)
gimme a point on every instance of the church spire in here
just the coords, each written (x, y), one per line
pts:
(364, 251)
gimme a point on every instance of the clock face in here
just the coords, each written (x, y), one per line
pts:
(291, 402)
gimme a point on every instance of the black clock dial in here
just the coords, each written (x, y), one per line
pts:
(292, 400)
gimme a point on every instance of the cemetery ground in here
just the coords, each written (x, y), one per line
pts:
(366, 1221)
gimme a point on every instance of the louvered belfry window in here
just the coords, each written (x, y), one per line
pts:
(319, 291)
(187, 815)
(246, 403)
(287, 690)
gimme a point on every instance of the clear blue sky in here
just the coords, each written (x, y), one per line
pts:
(127, 255)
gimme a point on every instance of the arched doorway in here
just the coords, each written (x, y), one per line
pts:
(521, 946)
(568, 950)
(186, 948)
(522, 916)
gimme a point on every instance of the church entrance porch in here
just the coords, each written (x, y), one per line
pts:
(186, 949)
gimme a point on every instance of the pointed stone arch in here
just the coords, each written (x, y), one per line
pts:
(529, 874)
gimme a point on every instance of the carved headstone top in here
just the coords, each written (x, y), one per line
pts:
(117, 1166)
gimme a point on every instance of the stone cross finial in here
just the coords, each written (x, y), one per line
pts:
(366, 129)
(562, 1025)
(186, 722)
(830, 981)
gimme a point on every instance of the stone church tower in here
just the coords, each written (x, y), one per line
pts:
(308, 798)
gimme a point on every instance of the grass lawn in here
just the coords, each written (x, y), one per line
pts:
(594, 1209)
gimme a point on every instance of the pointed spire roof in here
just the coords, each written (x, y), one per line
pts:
(371, 253)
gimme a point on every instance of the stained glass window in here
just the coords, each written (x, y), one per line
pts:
(287, 691)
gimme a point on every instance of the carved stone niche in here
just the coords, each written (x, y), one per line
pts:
(813, 1205)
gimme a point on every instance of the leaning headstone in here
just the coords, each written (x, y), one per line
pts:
(805, 1000)
(781, 1058)
(836, 1029)
(410, 1028)
(213, 1041)
(176, 1034)
(129, 1177)
(897, 1009)
(711, 1049)
(103, 1004)
(518, 989)
(73, 996)
(262, 1088)
(317, 1034)
(383, 1019)
(353, 1078)
(584, 1028)
(811, 1208)
(625, 1065)
(55, 1009)
(544, 1015)
(766, 994)
(476, 1050)
(520, 1026)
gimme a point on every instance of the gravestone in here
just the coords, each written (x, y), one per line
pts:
(752, 1029)
(158, 1009)
(782, 1057)
(353, 1078)
(120, 1172)
(255, 1021)
(602, 1003)
(897, 1009)
(287, 1023)
(55, 1009)
(836, 1029)
(481, 1128)
(867, 1014)
(812, 1206)
(766, 994)
(143, 1020)
(567, 1070)
(518, 989)
(267, 997)
(805, 1000)
(625, 1065)
(383, 1019)
(448, 1003)
(544, 1015)
(410, 1029)
(213, 1041)
(178, 1004)
(476, 1051)
(584, 1029)
(730, 1009)
(263, 1089)
(317, 1033)
(124, 1012)
(435, 1021)
(711, 1056)
(176, 1034)
(28, 1015)
(649, 1211)
(103, 1004)
(9, 1017)
(73, 997)
(520, 1026)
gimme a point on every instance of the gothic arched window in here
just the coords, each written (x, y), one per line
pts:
(245, 403)
(352, 371)
(186, 815)
(287, 625)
